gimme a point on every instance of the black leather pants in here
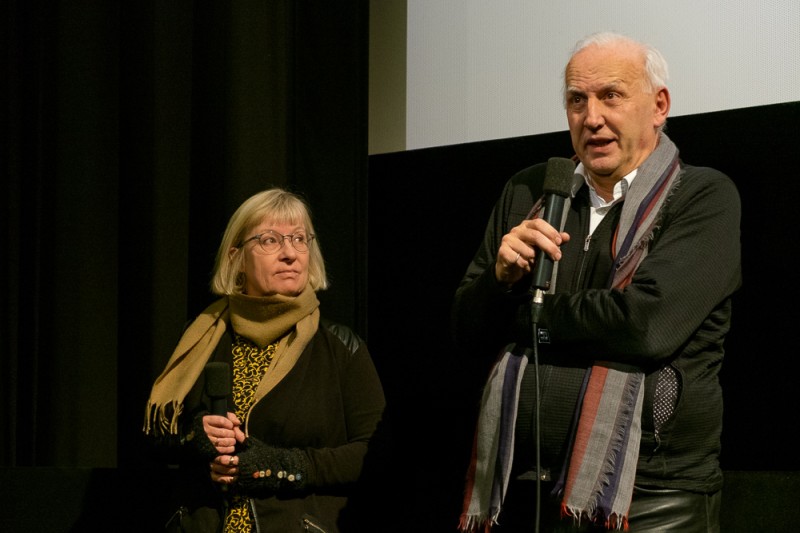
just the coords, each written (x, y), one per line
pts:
(652, 511)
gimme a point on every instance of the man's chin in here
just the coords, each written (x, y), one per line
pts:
(600, 166)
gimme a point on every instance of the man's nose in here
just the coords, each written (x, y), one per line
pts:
(594, 114)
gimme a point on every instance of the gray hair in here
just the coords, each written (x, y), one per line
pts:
(654, 63)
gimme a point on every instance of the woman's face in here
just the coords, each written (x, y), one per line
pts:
(284, 271)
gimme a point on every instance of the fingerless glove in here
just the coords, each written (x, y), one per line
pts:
(263, 467)
(198, 442)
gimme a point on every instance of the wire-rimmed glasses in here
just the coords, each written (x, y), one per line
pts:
(272, 241)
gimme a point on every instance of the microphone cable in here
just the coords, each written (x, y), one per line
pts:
(557, 187)
(536, 309)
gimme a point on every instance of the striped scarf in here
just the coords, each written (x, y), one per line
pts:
(597, 480)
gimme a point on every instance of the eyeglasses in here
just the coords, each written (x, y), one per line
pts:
(272, 241)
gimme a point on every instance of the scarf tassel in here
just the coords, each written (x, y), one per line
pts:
(162, 419)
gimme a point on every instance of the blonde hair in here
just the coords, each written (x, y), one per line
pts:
(275, 205)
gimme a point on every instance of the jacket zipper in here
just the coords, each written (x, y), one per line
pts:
(586, 244)
(308, 525)
(252, 505)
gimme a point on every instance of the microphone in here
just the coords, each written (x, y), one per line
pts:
(218, 386)
(557, 187)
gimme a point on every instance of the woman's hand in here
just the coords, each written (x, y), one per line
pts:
(223, 432)
(224, 469)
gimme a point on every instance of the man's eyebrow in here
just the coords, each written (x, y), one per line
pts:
(614, 85)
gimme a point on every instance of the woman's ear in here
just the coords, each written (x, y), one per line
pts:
(236, 261)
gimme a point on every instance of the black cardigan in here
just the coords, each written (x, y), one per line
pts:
(329, 405)
(676, 311)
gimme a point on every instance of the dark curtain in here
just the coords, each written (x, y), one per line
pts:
(130, 133)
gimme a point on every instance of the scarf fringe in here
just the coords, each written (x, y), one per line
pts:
(157, 419)
(612, 522)
(477, 523)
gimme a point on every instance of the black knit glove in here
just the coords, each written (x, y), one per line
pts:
(266, 468)
(198, 442)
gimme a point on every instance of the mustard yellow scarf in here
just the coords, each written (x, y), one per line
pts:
(291, 320)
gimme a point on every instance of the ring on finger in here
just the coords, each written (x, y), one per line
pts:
(517, 258)
(230, 461)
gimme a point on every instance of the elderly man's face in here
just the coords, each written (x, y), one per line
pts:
(613, 121)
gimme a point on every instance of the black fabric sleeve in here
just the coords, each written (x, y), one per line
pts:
(484, 312)
(363, 402)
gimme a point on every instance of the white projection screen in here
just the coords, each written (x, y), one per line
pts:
(479, 70)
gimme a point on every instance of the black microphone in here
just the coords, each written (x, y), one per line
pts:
(557, 187)
(218, 387)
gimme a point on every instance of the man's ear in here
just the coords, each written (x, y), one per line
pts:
(663, 102)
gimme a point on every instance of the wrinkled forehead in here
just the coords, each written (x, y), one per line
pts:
(608, 63)
(601, 72)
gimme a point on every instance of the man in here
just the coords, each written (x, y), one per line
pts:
(612, 418)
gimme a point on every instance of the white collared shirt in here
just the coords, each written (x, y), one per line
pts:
(599, 206)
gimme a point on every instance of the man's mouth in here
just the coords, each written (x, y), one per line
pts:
(599, 143)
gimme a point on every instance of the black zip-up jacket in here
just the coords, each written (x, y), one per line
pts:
(671, 321)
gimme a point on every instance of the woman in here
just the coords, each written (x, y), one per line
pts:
(305, 397)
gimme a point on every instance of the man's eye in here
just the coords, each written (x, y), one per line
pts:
(576, 101)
